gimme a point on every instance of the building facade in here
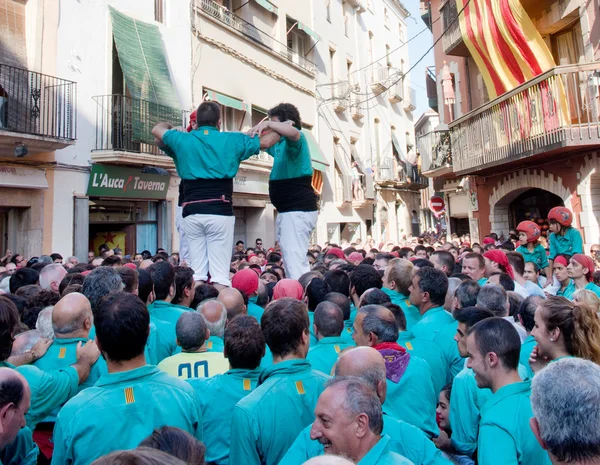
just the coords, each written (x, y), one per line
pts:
(518, 141)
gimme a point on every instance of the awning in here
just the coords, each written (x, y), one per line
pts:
(398, 147)
(227, 101)
(319, 162)
(25, 178)
(143, 60)
(310, 32)
(267, 5)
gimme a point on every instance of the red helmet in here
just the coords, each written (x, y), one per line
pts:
(531, 229)
(561, 215)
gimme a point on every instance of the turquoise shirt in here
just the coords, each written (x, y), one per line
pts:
(218, 396)
(323, 356)
(537, 256)
(120, 411)
(347, 331)
(413, 398)
(405, 439)
(311, 330)
(380, 454)
(215, 344)
(207, 153)
(166, 311)
(505, 437)
(431, 353)
(22, 451)
(353, 312)
(569, 244)
(410, 311)
(568, 292)
(165, 315)
(255, 310)
(432, 321)
(592, 287)
(291, 389)
(62, 353)
(49, 390)
(526, 349)
(291, 159)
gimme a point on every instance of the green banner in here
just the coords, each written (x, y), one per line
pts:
(126, 183)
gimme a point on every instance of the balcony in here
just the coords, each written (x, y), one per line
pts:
(546, 117)
(436, 153)
(431, 85)
(425, 8)
(380, 76)
(36, 110)
(357, 106)
(222, 15)
(339, 94)
(397, 92)
(452, 40)
(123, 131)
(398, 175)
(410, 99)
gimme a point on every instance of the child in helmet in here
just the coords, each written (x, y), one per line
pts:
(531, 249)
(563, 238)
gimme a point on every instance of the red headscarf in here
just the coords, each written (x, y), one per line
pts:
(339, 253)
(288, 288)
(500, 258)
(245, 280)
(488, 241)
(586, 262)
(192, 120)
(561, 261)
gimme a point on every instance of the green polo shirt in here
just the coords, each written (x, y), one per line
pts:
(380, 454)
(526, 349)
(431, 353)
(290, 388)
(207, 153)
(482, 281)
(311, 321)
(215, 344)
(505, 437)
(120, 411)
(594, 288)
(405, 439)
(323, 355)
(413, 398)
(49, 390)
(569, 244)
(255, 310)
(62, 353)
(410, 311)
(218, 396)
(22, 451)
(537, 255)
(432, 321)
(347, 331)
(165, 315)
(291, 159)
(568, 292)
(167, 311)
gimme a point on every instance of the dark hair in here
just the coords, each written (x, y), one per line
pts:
(208, 114)
(477, 257)
(463, 277)
(273, 258)
(274, 273)
(419, 248)
(9, 320)
(404, 251)
(73, 278)
(338, 281)
(374, 297)
(505, 281)
(138, 456)
(177, 443)
(19, 301)
(435, 283)
(500, 337)
(514, 303)
(470, 316)
(329, 319)
(204, 292)
(446, 259)
(145, 285)
(283, 324)
(101, 282)
(365, 277)
(244, 342)
(286, 112)
(71, 288)
(11, 390)
(23, 277)
(130, 279)
(507, 245)
(239, 242)
(398, 314)
(342, 301)
(191, 331)
(38, 266)
(377, 322)
(112, 260)
(44, 298)
(184, 277)
(384, 256)
(466, 293)
(56, 256)
(122, 322)
(422, 263)
(536, 268)
(163, 277)
(316, 291)
(527, 311)
(517, 262)
(494, 298)
(146, 254)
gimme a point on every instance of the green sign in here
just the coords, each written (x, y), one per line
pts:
(126, 183)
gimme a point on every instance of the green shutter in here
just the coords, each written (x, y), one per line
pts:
(310, 32)
(227, 101)
(319, 162)
(268, 6)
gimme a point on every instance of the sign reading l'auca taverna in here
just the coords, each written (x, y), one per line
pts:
(128, 183)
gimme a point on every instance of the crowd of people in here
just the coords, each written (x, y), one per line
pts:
(429, 352)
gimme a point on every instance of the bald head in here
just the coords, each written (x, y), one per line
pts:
(365, 363)
(14, 395)
(233, 301)
(146, 264)
(72, 316)
(328, 460)
(215, 315)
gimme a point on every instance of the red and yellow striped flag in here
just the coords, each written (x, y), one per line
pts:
(317, 181)
(504, 43)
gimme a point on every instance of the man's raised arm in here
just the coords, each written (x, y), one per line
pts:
(159, 130)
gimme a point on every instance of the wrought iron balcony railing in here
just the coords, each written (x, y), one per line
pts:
(410, 99)
(556, 110)
(226, 17)
(452, 40)
(37, 104)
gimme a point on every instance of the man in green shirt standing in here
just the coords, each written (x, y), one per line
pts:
(208, 160)
(131, 400)
(290, 187)
(244, 347)
(268, 420)
(397, 280)
(328, 325)
(505, 437)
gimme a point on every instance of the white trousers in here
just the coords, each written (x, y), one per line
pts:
(210, 241)
(184, 251)
(293, 233)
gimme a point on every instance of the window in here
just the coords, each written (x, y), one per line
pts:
(388, 56)
(231, 119)
(349, 73)
(346, 24)
(377, 143)
(386, 18)
(328, 10)
(159, 11)
(401, 33)
(332, 72)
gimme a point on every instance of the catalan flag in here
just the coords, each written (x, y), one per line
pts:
(317, 181)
